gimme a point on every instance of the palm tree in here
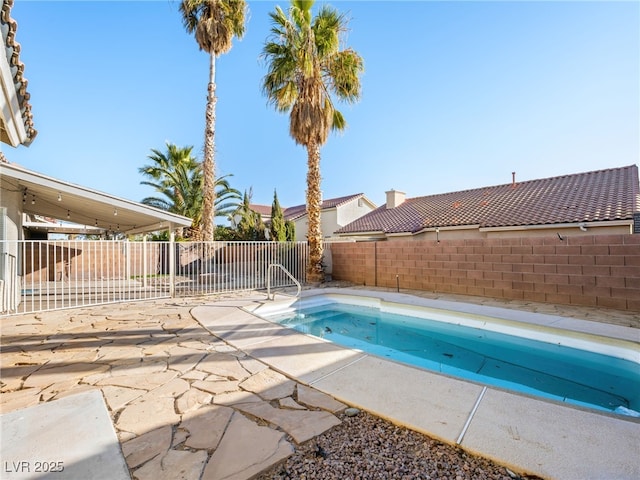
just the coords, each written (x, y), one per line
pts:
(177, 175)
(305, 67)
(227, 198)
(214, 23)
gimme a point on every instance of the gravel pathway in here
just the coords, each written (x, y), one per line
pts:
(368, 447)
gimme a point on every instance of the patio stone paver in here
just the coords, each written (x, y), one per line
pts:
(49, 375)
(224, 365)
(173, 465)
(147, 413)
(290, 403)
(27, 397)
(192, 399)
(184, 404)
(147, 446)
(206, 426)
(216, 385)
(302, 425)
(269, 384)
(245, 450)
(237, 397)
(118, 397)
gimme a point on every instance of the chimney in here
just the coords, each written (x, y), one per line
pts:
(513, 179)
(394, 198)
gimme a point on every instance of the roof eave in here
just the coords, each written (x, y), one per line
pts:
(546, 226)
(15, 130)
(17, 110)
(445, 227)
(146, 219)
(361, 234)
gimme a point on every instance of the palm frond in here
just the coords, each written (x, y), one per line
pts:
(305, 68)
(344, 69)
(214, 22)
(338, 122)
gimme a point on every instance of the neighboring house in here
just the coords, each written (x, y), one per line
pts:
(598, 202)
(334, 214)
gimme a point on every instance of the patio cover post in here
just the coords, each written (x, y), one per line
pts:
(172, 263)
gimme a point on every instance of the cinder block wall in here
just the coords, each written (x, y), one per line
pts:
(592, 270)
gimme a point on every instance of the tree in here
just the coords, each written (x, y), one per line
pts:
(290, 229)
(177, 176)
(250, 227)
(277, 228)
(227, 198)
(305, 67)
(214, 24)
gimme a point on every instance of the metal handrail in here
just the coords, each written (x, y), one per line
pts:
(281, 267)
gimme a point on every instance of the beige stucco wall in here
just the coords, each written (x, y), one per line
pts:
(351, 211)
(12, 201)
(10, 276)
(301, 229)
(329, 222)
(327, 225)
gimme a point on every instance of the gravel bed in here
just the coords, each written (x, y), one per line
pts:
(368, 447)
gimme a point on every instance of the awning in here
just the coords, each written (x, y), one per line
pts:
(49, 197)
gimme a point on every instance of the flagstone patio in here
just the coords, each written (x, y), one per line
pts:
(184, 404)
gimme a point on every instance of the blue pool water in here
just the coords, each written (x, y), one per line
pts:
(544, 369)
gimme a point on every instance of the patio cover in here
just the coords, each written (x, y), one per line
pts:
(49, 197)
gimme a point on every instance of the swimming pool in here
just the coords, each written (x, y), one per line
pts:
(577, 369)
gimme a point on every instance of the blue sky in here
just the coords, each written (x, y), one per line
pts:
(455, 95)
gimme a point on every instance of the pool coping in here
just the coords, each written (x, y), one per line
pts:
(526, 434)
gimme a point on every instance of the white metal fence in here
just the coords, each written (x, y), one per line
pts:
(37, 275)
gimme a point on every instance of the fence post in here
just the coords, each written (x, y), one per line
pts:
(172, 264)
(128, 260)
(145, 266)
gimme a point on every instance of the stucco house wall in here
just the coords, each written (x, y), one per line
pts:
(329, 222)
(10, 229)
(336, 214)
(351, 211)
(12, 218)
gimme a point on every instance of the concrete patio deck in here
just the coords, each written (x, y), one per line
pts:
(230, 399)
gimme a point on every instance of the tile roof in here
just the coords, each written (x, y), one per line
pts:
(293, 213)
(8, 27)
(264, 210)
(611, 194)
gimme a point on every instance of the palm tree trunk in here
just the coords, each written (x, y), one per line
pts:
(208, 165)
(315, 273)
